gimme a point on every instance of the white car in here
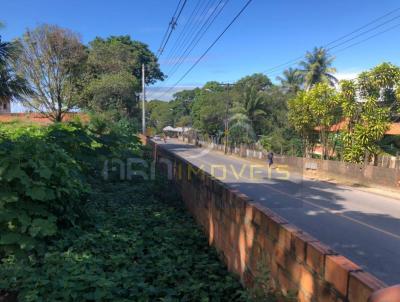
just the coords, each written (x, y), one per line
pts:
(157, 138)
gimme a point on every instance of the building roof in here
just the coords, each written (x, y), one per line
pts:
(394, 128)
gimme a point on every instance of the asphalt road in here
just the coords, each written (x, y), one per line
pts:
(363, 226)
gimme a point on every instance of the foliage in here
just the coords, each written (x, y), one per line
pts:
(113, 73)
(257, 81)
(302, 119)
(51, 60)
(42, 191)
(44, 173)
(292, 80)
(368, 118)
(140, 247)
(251, 105)
(12, 85)
(240, 130)
(209, 110)
(325, 110)
(160, 115)
(120, 53)
(116, 91)
(316, 68)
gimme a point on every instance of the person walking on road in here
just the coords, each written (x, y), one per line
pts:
(270, 158)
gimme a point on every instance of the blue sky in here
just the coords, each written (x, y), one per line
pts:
(267, 34)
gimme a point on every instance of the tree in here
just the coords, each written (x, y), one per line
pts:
(208, 111)
(291, 81)
(160, 115)
(121, 53)
(317, 68)
(11, 84)
(116, 91)
(369, 104)
(302, 119)
(241, 131)
(51, 60)
(251, 105)
(113, 59)
(182, 103)
(324, 105)
(258, 81)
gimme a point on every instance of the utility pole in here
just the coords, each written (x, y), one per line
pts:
(226, 124)
(143, 102)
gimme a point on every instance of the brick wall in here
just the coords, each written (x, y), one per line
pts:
(362, 174)
(249, 236)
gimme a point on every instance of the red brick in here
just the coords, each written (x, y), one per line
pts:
(286, 234)
(255, 255)
(362, 285)
(285, 283)
(315, 256)
(300, 241)
(273, 227)
(248, 214)
(325, 292)
(303, 297)
(337, 270)
(267, 245)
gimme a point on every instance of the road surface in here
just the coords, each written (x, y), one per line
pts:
(363, 226)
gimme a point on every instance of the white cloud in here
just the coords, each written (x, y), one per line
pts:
(165, 93)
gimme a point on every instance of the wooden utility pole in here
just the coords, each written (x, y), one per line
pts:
(143, 102)
(228, 104)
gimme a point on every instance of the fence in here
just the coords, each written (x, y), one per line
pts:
(387, 174)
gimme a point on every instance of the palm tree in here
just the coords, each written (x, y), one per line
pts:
(292, 80)
(253, 105)
(241, 132)
(317, 68)
(11, 85)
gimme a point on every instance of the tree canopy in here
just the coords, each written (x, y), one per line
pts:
(51, 60)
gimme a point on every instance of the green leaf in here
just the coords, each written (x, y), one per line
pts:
(43, 227)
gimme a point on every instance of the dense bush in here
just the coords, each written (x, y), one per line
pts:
(66, 234)
(139, 248)
(44, 173)
(42, 190)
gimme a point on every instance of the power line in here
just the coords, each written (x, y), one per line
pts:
(295, 60)
(168, 28)
(193, 33)
(211, 46)
(171, 27)
(352, 45)
(190, 22)
(198, 37)
(364, 32)
(368, 38)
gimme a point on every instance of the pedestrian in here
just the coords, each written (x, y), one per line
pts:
(165, 138)
(270, 158)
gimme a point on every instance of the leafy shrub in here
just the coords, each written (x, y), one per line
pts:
(139, 248)
(41, 191)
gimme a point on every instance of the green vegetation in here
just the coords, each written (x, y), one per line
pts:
(366, 106)
(298, 115)
(68, 235)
